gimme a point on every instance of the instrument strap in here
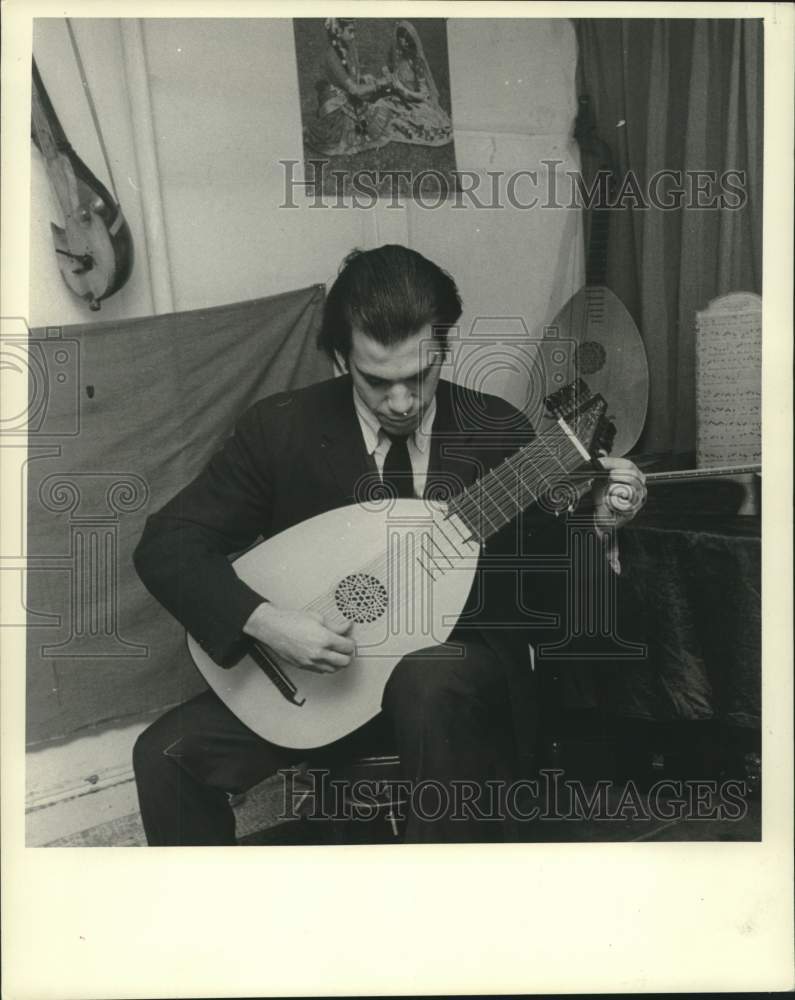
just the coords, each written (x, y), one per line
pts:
(91, 107)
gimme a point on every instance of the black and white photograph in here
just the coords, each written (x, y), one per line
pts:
(375, 94)
(382, 452)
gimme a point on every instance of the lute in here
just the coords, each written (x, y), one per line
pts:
(398, 572)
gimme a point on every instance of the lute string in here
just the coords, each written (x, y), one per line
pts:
(513, 471)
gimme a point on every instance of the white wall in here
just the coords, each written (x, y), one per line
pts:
(225, 109)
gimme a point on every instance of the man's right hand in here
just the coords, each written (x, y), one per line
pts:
(301, 638)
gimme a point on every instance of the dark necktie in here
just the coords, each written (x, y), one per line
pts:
(398, 474)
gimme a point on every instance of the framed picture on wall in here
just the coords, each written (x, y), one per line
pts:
(375, 105)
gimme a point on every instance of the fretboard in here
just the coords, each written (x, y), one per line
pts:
(545, 465)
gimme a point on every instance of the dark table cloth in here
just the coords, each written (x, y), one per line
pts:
(695, 591)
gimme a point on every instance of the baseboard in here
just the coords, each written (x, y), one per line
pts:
(87, 819)
(78, 792)
(74, 786)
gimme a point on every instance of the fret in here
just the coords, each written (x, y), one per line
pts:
(495, 475)
(502, 516)
(530, 465)
(533, 460)
(474, 529)
(486, 497)
(534, 469)
(575, 458)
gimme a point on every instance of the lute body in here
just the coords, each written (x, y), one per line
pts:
(609, 354)
(608, 351)
(400, 576)
(398, 572)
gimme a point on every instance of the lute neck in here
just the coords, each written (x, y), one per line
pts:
(546, 465)
(692, 475)
(596, 260)
(46, 129)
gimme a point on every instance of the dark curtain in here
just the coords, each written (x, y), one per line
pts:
(678, 95)
(126, 413)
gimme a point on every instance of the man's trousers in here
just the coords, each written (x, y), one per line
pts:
(450, 720)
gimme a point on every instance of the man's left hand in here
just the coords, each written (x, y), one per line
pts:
(620, 494)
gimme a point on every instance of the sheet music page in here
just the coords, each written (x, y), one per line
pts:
(729, 384)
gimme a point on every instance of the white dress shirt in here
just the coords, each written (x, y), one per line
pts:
(378, 444)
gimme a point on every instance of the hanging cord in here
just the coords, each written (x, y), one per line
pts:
(91, 107)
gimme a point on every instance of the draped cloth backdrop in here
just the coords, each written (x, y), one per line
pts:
(678, 95)
(131, 412)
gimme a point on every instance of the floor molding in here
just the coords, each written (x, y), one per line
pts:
(81, 783)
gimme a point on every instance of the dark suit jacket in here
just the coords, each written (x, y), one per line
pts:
(301, 453)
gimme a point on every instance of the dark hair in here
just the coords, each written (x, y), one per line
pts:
(389, 294)
(412, 45)
(334, 29)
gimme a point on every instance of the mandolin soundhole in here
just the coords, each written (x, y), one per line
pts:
(361, 598)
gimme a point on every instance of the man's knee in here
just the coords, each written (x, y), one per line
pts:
(429, 681)
(418, 680)
(148, 755)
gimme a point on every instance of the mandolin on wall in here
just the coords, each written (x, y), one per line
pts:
(94, 245)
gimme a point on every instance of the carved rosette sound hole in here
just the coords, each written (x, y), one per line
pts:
(361, 598)
(590, 357)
